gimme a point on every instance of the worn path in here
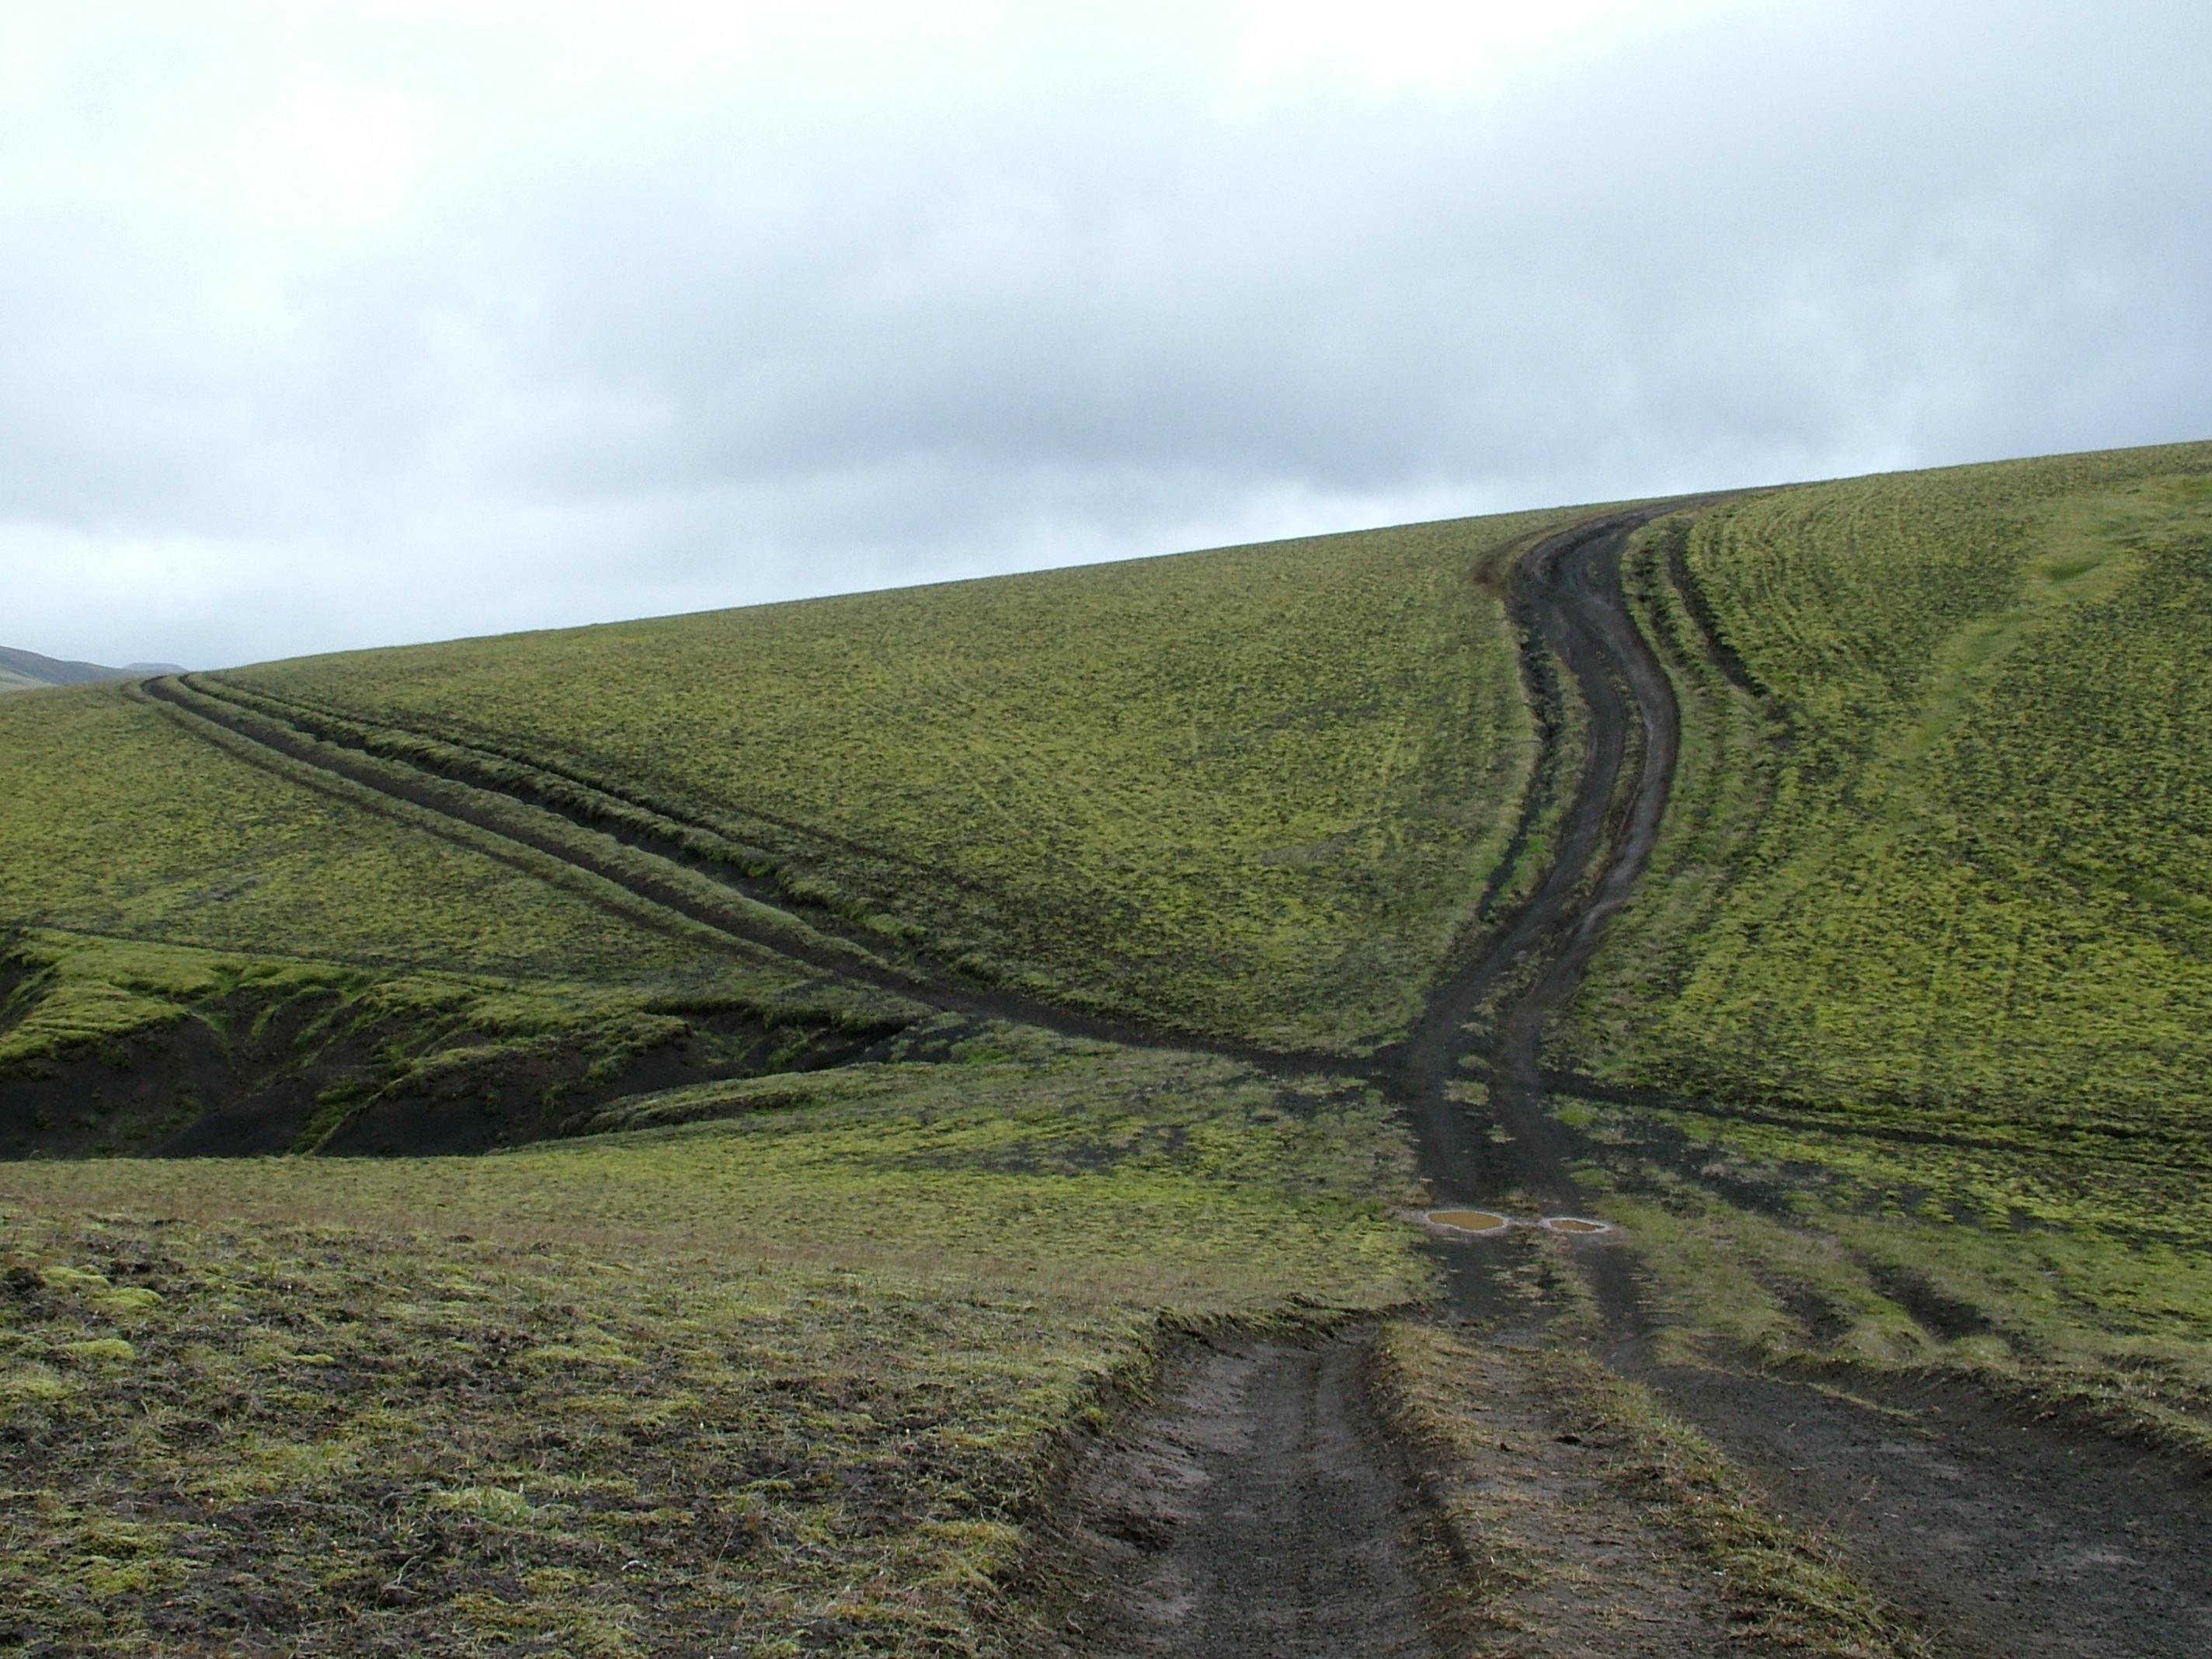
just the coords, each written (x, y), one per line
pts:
(1248, 1515)
(2002, 1534)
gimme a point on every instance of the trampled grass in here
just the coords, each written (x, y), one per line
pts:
(793, 1380)
(1253, 791)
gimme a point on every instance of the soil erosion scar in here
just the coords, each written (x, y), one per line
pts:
(1252, 1514)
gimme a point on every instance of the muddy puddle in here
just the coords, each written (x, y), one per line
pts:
(1486, 1223)
(1469, 1221)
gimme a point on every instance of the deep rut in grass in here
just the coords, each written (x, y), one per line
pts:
(1247, 1515)
(748, 910)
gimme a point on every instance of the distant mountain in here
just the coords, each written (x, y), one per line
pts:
(26, 671)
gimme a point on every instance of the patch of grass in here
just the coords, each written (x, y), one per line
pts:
(792, 1382)
(1253, 791)
(1520, 1533)
(118, 822)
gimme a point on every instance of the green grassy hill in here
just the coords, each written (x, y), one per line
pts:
(1251, 793)
(1946, 850)
(924, 1003)
(1902, 1049)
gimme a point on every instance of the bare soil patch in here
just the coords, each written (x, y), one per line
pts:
(1254, 1512)
(2003, 1535)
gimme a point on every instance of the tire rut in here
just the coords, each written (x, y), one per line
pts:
(805, 940)
(1249, 1515)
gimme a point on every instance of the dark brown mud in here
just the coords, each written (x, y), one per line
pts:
(1567, 592)
(1252, 1514)
(2005, 1538)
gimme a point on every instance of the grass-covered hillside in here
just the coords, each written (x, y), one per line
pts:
(1253, 792)
(1945, 848)
(1902, 1049)
(886, 1021)
(777, 1339)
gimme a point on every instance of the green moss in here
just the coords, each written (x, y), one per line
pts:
(795, 1378)
(1253, 791)
(118, 822)
(1948, 862)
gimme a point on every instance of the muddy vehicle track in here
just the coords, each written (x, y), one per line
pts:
(1999, 1533)
(1249, 1514)
(840, 950)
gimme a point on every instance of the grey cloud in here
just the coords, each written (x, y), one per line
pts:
(745, 365)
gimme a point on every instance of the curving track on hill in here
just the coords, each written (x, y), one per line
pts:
(1567, 591)
(1996, 1533)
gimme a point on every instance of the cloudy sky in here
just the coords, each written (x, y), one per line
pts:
(348, 324)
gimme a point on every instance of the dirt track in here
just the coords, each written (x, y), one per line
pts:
(1247, 1516)
(1999, 1534)
(834, 946)
(2008, 1539)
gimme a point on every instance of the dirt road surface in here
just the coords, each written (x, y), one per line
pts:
(1251, 1516)
(2004, 1538)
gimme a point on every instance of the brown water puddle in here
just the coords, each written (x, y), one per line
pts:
(1469, 1221)
(1574, 1223)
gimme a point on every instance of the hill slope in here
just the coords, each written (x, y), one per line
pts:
(1254, 791)
(949, 996)
(27, 670)
(1945, 850)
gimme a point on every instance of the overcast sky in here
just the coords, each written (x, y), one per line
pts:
(335, 324)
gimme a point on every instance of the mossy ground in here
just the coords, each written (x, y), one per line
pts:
(1917, 976)
(1251, 791)
(2080, 1280)
(790, 1381)
(1922, 955)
